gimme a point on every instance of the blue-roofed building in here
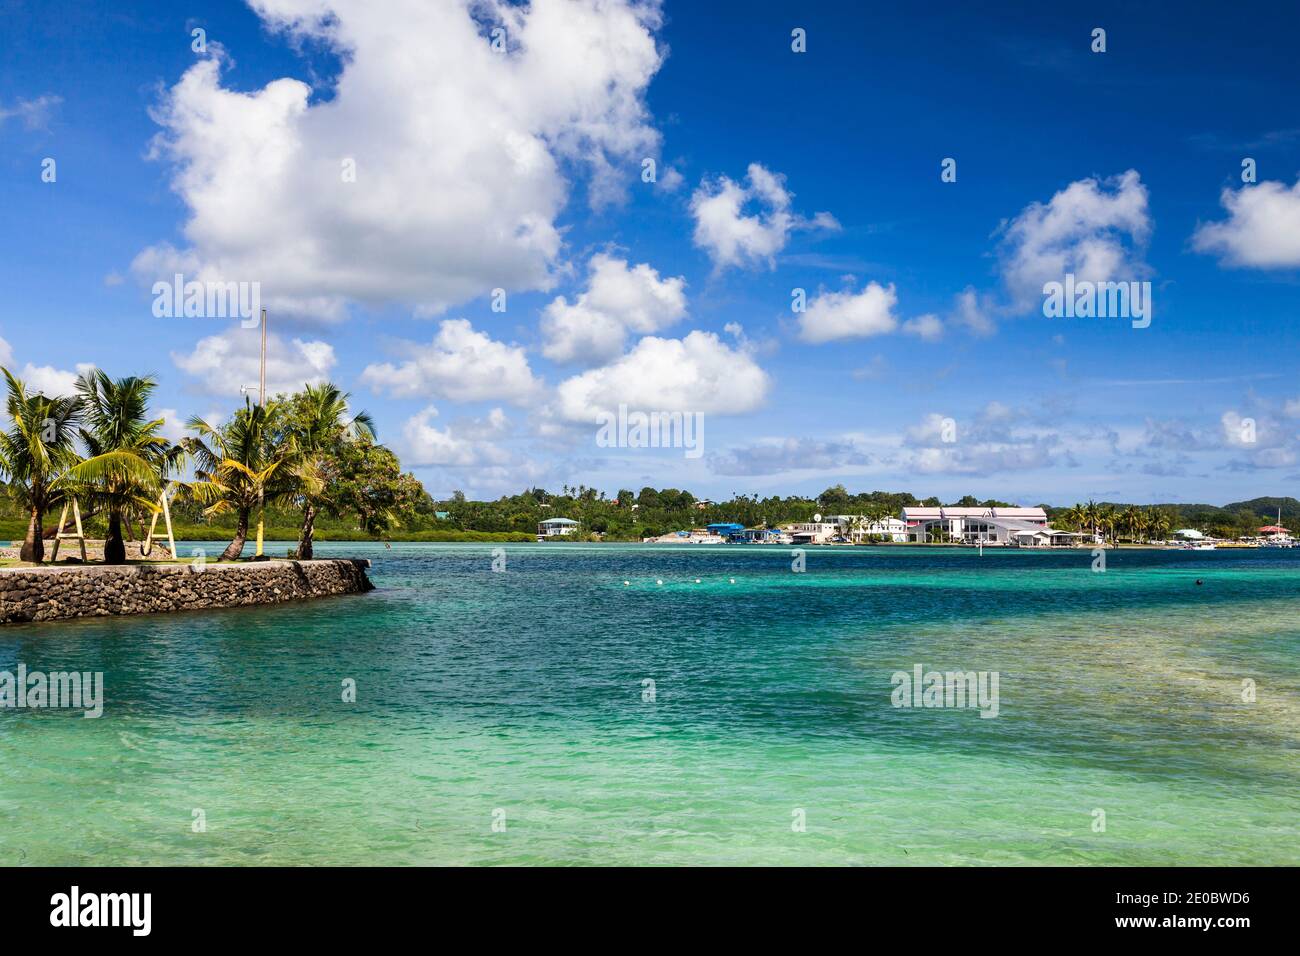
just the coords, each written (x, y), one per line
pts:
(725, 529)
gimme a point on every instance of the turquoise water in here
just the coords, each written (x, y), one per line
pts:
(518, 696)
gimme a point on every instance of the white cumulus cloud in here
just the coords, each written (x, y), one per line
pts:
(461, 157)
(50, 381)
(698, 373)
(459, 444)
(733, 238)
(1262, 230)
(847, 314)
(619, 299)
(928, 327)
(224, 362)
(1096, 230)
(460, 364)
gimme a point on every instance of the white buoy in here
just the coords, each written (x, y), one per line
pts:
(733, 580)
(626, 583)
(697, 580)
(659, 581)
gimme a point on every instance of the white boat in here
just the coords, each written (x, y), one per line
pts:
(1280, 538)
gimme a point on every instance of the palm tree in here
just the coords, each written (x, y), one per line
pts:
(1159, 524)
(239, 464)
(1075, 517)
(318, 425)
(873, 515)
(128, 458)
(1144, 524)
(1129, 520)
(35, 454)
(1091, 516)
(1107, 519)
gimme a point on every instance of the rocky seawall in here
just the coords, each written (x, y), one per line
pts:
(72, 591)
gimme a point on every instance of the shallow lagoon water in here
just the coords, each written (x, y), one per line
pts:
(519, 696)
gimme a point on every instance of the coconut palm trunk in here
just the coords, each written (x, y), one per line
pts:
(236, 546)
(308, 530)
(33, 548)
(114, 545)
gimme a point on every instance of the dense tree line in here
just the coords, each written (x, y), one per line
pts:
(632, 515)
(310, 467)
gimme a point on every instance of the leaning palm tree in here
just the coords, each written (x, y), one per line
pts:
(319, 423)
(239, 464)
(1159, 524)
(35, 454)
(127, 457)
(1073, 518)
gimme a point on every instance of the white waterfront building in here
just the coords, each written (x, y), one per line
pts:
(1021, 527)
(814, 532)
(858, 528)
(552, 527)
(852, 528)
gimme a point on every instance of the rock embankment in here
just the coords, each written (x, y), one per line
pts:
(63, 592)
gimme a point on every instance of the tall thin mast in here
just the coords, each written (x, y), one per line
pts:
(261, 382)
(261, 402)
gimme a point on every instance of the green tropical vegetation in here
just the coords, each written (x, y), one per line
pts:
(35, 454)
(239, 465)
(630, 515)
(309, 467)
(127, 458)
(304, 461)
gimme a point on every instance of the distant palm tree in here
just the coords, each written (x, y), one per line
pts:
(1079, 517)
(1159, 524)
(239, 464)
(128, 457)
(1091, 515)
(319, 422)
(1129, 520)
(857, 527)
(1107, 518)
(35, 454)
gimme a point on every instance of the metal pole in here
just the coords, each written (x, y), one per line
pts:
(261, 402)
(261, 382)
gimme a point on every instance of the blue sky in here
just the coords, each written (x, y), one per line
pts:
(776, 170)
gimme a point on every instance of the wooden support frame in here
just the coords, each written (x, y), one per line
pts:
(165, 510)
(79, 536)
